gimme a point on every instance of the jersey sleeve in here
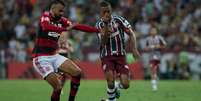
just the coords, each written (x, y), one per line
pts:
(125, 24)
(66, 22)
(46, 26)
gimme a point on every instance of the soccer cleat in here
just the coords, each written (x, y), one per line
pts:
(104, 100)
(117, 93)
(154, 88)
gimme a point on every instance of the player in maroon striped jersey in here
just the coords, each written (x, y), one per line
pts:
(154, 43)
(46, 60)
(112, 49)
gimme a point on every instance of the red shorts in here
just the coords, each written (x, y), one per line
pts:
(154, 62)
(115, 63)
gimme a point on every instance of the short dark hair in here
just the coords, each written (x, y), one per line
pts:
(104, 4)
(56, 2)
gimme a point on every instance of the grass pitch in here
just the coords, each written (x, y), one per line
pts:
(39, 90)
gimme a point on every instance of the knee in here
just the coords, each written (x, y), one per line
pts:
(77, 72)
(125, 85)
(111, 85)
(58, 88)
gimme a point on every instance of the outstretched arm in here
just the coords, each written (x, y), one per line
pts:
(85, 28)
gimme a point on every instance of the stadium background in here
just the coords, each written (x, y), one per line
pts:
(178, 21)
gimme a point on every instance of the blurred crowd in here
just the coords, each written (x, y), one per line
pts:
(178, 21)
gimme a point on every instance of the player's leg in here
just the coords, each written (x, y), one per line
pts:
(74, 71)
(54, 81)
(123, 71)
(154, 66)
(110, 77)
(124, 83)
(108, 67)
(44, 67)
(62, 78)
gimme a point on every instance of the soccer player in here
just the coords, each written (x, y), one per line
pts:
(154, 43)
(112, 49)
(46, 61)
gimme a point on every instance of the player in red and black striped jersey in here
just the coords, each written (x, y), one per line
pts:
(46, 60)
(112, 49)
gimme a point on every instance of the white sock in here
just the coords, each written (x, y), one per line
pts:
(154, 84)
(111, 94)
(118, 85)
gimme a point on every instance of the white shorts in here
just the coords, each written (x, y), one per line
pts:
(45, 65)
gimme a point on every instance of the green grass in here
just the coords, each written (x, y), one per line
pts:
(38, 90)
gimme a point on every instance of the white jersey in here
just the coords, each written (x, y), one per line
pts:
(153, 41)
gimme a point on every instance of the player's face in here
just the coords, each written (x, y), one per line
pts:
(58, 10)
(153, 31)
(105, 14)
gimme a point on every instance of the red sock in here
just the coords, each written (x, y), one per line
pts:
(75, 83)
(55, 95)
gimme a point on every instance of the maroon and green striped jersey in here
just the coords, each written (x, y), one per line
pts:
(116, 42)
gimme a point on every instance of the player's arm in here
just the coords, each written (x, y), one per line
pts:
(128, 29)
(46, 26)
(63, 39)
(133, 41)
(85, 28)
(80, 27)
(162, 43)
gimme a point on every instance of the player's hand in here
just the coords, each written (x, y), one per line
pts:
(62, 40)
(136, 53)
(106, 30)
(62, 44)
(105, 34)
(69, 47)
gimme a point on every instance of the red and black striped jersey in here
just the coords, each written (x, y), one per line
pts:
(48, 34)
(116, 44)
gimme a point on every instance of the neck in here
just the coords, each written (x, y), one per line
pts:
(52, 14)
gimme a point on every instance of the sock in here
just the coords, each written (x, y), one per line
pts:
(55, 95)
(111, 94)
(75, 83)
(154, 84)
(118, 85)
